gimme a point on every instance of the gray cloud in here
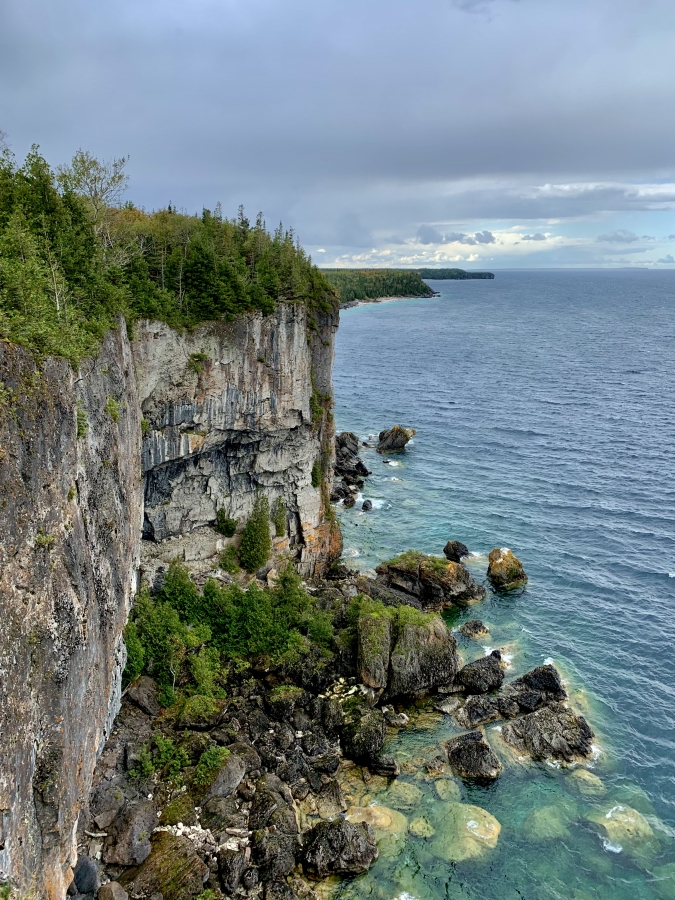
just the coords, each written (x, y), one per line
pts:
(534, 237)
(668, 258)
(620, 236)
(320, 115)
(427, 234)
(671, 237)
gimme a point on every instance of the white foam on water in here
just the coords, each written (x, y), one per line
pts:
(404, 895)
(596, 751)
(671, 574)
(391, 462)
(393, 478)
(554, 764)
(549, 661)
(352, 552)
(496, 728)
(614, 809)
(610, 847)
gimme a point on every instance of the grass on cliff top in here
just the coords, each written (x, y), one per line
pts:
(413, 559)
(185, 638)
(73, 256)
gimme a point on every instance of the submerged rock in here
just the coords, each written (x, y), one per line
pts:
(455, 550)
(339, 847)
(474, 629)
(468, 832)
(422, 828)
(547, 823)
(482, 675)
(395, 439)
(553, 732)
(624, 827)
(403, 795)
(586, 783)
(378, 817)
(505, 570)
(470, 756)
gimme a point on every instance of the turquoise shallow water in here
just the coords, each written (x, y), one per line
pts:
(544, 404)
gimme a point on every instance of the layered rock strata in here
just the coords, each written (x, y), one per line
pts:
(231, 409)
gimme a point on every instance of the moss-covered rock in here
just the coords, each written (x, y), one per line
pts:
(505, 570)
(434, 582)
(201, 712)
(173, 870)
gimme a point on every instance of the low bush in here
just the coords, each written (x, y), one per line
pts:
(279, 517)
(224, 524)
(256, 543)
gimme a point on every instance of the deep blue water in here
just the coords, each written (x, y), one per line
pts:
(544, 404)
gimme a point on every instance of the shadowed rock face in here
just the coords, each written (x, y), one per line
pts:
(231, 409)
(470, 757)
(70, 520)
(553, 732)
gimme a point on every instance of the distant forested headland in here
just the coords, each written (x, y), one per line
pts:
(371, 284)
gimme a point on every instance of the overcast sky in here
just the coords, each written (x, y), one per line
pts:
(478, 133)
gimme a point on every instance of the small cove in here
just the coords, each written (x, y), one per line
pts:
(541, 402)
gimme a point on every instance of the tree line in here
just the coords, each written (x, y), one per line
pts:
(73, 256)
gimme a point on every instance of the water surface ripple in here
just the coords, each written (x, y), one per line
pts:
(544, 405)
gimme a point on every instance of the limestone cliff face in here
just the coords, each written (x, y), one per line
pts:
(70, 524)
(230, 409)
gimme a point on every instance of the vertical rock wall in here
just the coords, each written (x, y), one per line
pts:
(70, 521)
(230, 409)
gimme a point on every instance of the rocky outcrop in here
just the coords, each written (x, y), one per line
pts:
(231, 409)
(474, 629)
(471, 757)
(505, 570)
(70, 519)
(339, 847)
(482, 675)
(423, 659)
(395, 439)
(350, 470)
(552, 732)
(432, 582)
(455, 551)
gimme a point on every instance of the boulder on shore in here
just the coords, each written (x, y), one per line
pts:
(455, 550)
(339, 848)
(470, 756)
(505, 570)
(553, 732)
(482, 675)
(394, 439)
(424, 657)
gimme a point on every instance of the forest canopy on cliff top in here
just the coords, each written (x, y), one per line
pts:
(73, 256)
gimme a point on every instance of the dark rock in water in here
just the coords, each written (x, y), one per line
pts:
(339, 848)
(374, 648)
(367, 505)
(174, 870)
(128, 842)
(384, 765)
(363, 736)
(349, 501)
(347, 443)
(395, 439)
(538, 687)
(474, 629)
(483, 675)
(87, 876)
(478, 710)
(435, 583)
(553, 732)
(424, 658)
(505, 570)
(455, 550)
(470, 756)
(143, 692)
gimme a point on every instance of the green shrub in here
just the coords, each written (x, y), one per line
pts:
(224, 525)
(228, 561)
(279, 517)
(197, 362)
(144, 766)
(168, 759)
(112, 407)
(316, 474)
(320, 629)
(210, 763)
(145, 427)
(256, 543)
(135, 653)
(205, 669)
(82, 423)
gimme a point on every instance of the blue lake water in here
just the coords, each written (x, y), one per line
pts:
(544, 404)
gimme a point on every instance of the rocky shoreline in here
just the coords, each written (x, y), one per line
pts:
(284, 782)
